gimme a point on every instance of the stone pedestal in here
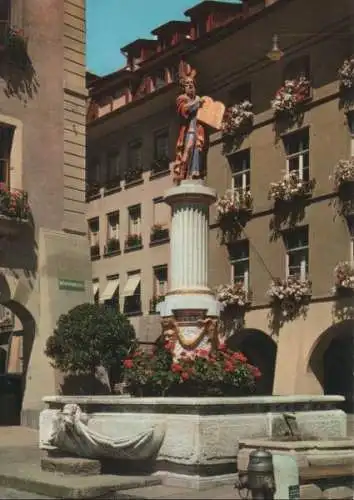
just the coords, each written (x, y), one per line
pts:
(189, 299)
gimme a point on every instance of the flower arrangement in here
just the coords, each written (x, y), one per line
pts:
(13, 203)
(235, 294)
(343, 172)
(156, 299)
(198, 373)
(158, 232)
(234, 202)
(344, 276)
(290, 187)
(289, 292)
(288, 97)
(238, 117)
(346, 73)
(133, 240)
(113, 245)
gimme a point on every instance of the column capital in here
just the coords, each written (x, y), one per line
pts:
(190, 191)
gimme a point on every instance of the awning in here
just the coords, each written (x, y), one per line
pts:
(95, 288)
(110, 290)
(131, 285)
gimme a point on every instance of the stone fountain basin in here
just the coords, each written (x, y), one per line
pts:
(202, 435)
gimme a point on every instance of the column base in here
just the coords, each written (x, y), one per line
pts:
(198, 301)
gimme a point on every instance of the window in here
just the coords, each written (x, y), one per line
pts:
(239, 258)
(110, 295)
(297, 154)
(113, 244)
(240, 168)
(160, 281)
(5, 17)
(113, 170)
(6, 136)
(160, 79)
(297, 256)
(159, 230)
(132, 293)
(94, 227)
(135, 163)
(134, 214)
(94, 171)
(161, 145)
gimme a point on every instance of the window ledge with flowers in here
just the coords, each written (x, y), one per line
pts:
(13, 42)
(112, 247)
(290, 189)
(344, 279)
(93, 191)
(160, 167)
(159, 235)
(197, 374)
(112, 185)
(289, 98)
(95, 251)
(133, 242)
(346, 80)
(238, 121)
(133, 177)
(344, 185)
(156, 299)
(234, 297)
(233, 210)
(288, 299)
(14, 209)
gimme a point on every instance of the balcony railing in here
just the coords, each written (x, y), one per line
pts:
(14, 203)
(113, 183)
(133, 174)
(160, 165)
(92, 190)
(133, 241)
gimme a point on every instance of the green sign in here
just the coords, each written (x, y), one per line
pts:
(72, 285)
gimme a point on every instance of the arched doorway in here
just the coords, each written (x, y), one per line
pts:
(261, 350)
(332, 362)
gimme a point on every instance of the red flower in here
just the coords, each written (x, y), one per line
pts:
(238, 356)
(176, 367)
(229, 367)
(256, 372)
(184, 375)
(222, 346)
(136, 354)
(128, 363)
(169, 346)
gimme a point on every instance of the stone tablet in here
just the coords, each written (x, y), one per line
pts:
(211, 113)
(286, 474)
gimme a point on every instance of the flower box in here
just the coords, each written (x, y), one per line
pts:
(160, 165)
(344, 277)
(288, 98)
(95, 251)
(346, 74)
(235, 294)
(290, 188)
(12, 39)
(238, 119)
(133, 241)
(14, 203)
(156, 299)
(344, 173)
(112, 246)
(158, 233)
(233, 203)
(289, 294)
(134, 174)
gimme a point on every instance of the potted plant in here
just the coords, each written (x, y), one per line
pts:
(14, 203)
(199, 373)
(112, 246)
(133, 241)
(158, 233)
(133, 174)
(156, 299)
(344, 173)
(235, 294)
(344, 278)
(288, 98)
(87, 337)
(346, 74)
(238, 119)
(289, 295)
(232, 204)
(290, 188)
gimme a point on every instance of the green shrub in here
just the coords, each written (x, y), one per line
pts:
(88, 336)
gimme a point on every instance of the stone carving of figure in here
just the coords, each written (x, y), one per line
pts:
(192, 135)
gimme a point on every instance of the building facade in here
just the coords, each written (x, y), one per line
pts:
(43, 242)
(307, 349)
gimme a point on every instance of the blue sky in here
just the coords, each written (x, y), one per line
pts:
(111, 24)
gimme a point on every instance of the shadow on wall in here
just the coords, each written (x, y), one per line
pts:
(332, 362)
(261, 350)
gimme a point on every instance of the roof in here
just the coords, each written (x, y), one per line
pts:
(139, 43)
(212, 5)
(172, 25)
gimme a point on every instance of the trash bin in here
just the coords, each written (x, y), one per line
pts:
(10, 399)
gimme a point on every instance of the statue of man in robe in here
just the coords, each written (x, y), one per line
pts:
(191, 142)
